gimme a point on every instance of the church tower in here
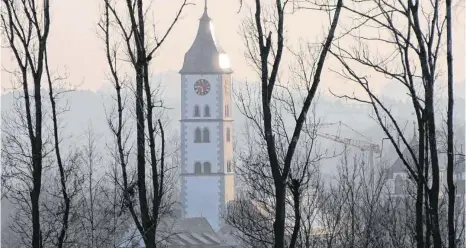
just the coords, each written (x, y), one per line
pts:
(207, 173)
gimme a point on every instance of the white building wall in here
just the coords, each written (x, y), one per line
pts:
(206, 194)
(227, 146)
(190, 98)
(203, 197)
(201, 152)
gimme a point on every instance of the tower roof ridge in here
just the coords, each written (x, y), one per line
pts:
(204, 55)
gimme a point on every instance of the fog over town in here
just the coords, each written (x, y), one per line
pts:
(254, 123)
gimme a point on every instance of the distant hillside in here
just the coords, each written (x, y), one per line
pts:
(90, 108)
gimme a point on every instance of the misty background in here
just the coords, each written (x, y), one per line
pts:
(78, 49)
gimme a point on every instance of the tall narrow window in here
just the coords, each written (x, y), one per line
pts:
(206, 135)
(229, 166)
(197, 135)
(197, 112)
(227, 111)
(197, 168)
(207, 168)
(228, 134)
(206, 111)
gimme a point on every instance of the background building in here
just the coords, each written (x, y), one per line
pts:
(207, 173)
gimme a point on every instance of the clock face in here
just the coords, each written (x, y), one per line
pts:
(202, 87)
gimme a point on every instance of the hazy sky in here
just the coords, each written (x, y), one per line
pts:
(74, 43)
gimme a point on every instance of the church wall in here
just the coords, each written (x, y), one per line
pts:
(205, 194)
(227, 79)
(229, 188)
(200, 152)
(213, 98)
(227, 146)
(203, 197)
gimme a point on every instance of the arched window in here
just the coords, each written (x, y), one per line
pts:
(197, 135)
(207, 167)
(206, 111)
(229, 169)
(206, 136)
(197, 168)
(228, 134)
(197, 112)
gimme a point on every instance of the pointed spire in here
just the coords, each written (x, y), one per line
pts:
(204, 54)
(205, 16)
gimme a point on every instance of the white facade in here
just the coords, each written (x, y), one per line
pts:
(207, 173)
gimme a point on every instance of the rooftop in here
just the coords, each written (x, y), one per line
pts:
(205, 55)
(398, 166)
(188, 232)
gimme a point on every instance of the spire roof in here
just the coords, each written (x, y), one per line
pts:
(398, 166)
(205, 54)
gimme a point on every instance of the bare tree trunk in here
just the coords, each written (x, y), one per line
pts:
(428, 76)
(295, 188)
(141, 157)
(138, 36)
(157, 198)
(421, 187)
(37, 178)
(20, 38)
(434, 190)
(268, 75)
(66, 198)
(428, 234)
(421, 41)
(140, 56)
(117, 130)
(450, 145)
(419, 216)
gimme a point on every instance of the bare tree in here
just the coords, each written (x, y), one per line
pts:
(265, 53)
(27, 37)
(17, 170)
(359, 210)
(67, 198)
(412, 32)
(93, 192)
(140, 52)
(26, 26)
(252, 216)
(450, 145)
(96, 219)
(352, 209)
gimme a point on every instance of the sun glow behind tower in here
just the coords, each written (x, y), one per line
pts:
(224, 61)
